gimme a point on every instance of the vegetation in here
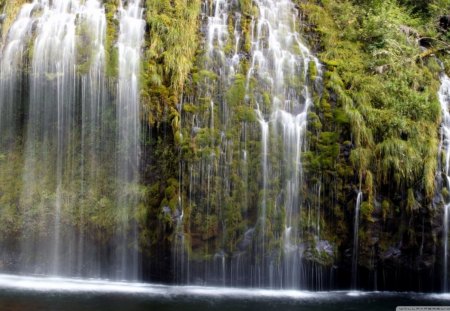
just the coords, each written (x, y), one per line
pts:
(374, 127)
(10, 9)
(380, 101)
(169, 56)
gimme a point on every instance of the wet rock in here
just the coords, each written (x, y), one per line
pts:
(301, 249)
(427, 262)
(246, 240)
(444, 22)
(322, 252)
(409, 31)
(324, 246)
(166, 210)
(426, 42)
(391, 253)
(437, 199)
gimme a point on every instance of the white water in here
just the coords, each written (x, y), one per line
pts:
(44, 284)
(94, 104)
(275, 83)
(51, 121)
(211, 172)
(444, 99)
(81, 138)
(11, 67)
(131, 36)
(356, 241)
(278, 55)
(446, 224)
(263, 214)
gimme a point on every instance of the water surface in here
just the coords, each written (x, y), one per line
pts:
(35, 293)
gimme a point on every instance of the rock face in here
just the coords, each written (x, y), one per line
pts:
(444, 22)
(261, 123)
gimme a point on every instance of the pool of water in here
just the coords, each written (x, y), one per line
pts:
(19, 293)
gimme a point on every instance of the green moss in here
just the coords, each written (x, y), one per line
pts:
(445, 194)
(312, 71)
(392, 115)
(84, 48)
(236, 93)
(112, 32)
(245, 114)
(169, 56)
(11, 9)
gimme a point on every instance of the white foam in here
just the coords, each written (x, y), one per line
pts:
(69, 285)
(355, 293)
(56, 284)
(442, 296)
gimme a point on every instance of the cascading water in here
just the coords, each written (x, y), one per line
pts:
(12, 73)
(278, 55)
(50, 126)
(446, 224)
(211, 172)
(131, 37)
(268, 74)
(94, 103)
(241, 212)
(80, 165)
(359, 199)
(444, 99)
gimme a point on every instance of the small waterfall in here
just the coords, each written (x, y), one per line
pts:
(245, 197)
(444, 99)
(446, 224)
(12, 74)
(78, 138)
(131, 36)
(94, 104)
(209, 181)
(265, 170)
(359, 199)
(278, 55)
(51, 123)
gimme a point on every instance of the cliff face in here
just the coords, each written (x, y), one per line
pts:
(381, 102)
(261, 123)
(373, 128)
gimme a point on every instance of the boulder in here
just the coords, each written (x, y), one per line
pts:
(444, 22)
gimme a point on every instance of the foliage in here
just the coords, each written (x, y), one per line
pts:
(169, 55)
(381, 95)
(389, 98)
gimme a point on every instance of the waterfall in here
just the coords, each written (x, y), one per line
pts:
(255, 71)
(51, 123)
(278, 55)
(131, 36)
(444, 99)
(211, 173)
(77, 134)
(445, 233)
(94, 103)
(263, 214)
(12, 73)
(359, 199)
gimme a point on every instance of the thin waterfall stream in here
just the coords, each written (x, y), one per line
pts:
(444, 99)
(359, 199)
